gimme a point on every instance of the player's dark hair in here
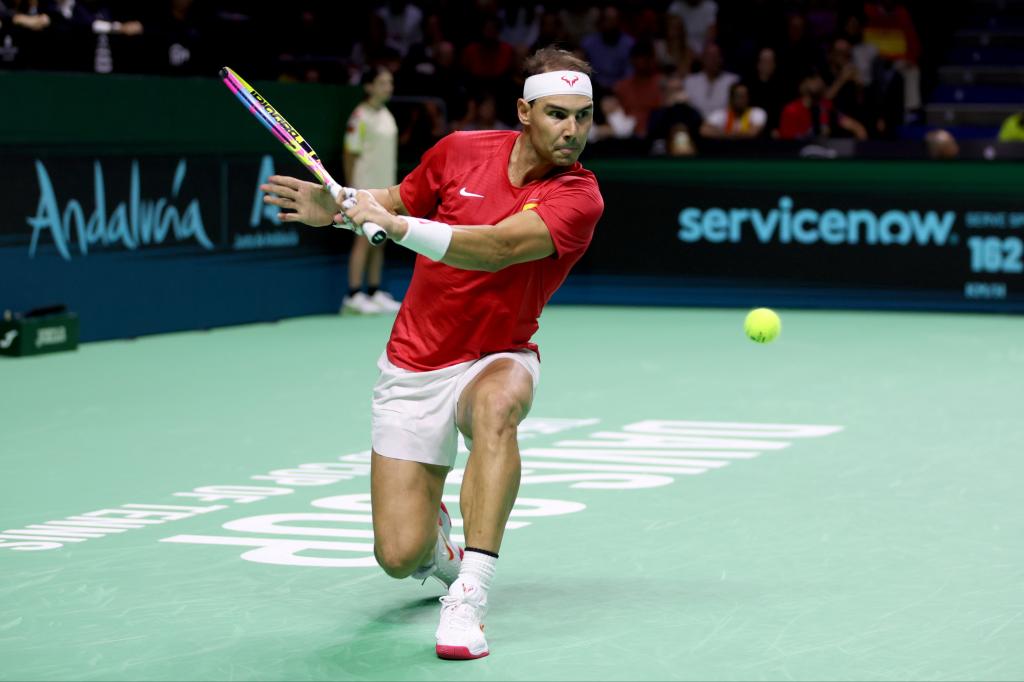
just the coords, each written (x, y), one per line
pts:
(554, 59)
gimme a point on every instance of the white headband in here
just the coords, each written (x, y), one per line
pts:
(557, 83)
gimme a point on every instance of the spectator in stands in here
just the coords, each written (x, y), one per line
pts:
(844, 86)
(20, 25)
(481, 114)
(822, 20)
(429, 72)
(643, 23)
(941, 145)
(865, 55)
(883, 85)
(613, 122)
(579, 18)
(520, 24)
(403, 23)
(700, 17)
(1012, 129)
(176, 40)
(890, 28)
(675, 128)
(641, 93)
(24, 13)
(708, 90)
(489, 60)
(766, 89)
(423, 58)
(429, 68)
(82, 30)
(737, 121)
(673, 50)
(608, 49)
(552, 31)
(369, 49)
(746, 27)
(796, 55)
(811, 116)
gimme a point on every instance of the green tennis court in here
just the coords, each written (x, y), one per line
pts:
(841, 504)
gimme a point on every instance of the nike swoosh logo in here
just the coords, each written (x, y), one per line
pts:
(8, 338)
(466, 193)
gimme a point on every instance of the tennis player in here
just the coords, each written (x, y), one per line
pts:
(498, 219)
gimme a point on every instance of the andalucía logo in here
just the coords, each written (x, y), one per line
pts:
(137, 222)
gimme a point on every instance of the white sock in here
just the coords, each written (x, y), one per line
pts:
(479, 568)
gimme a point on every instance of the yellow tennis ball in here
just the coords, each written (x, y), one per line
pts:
(762, 325)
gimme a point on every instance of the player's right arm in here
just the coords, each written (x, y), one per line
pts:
(391, 199)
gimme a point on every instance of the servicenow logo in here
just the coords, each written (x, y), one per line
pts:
(810, 226)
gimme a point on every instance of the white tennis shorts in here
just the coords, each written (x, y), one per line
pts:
(414, 412)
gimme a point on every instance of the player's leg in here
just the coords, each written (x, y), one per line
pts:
(405, 497)
(414, 448)
(489, 411)
(357, 301)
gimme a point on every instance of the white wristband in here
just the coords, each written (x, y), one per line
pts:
(427, 237)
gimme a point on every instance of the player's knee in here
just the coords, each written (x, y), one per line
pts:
(497, 411)
(397, 560)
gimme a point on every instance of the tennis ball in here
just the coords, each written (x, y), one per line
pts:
(762, 325)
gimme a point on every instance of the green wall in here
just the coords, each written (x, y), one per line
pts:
(151, 115)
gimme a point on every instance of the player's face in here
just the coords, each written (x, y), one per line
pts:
(559, 125)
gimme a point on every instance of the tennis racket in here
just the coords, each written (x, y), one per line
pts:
(287, 135)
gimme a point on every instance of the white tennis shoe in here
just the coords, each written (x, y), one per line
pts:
(359, 304)
(447, 555)
(385, 302)
(460, 634)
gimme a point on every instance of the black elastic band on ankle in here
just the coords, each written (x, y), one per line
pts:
(481, 551)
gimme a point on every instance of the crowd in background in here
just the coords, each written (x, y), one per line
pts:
(667, 75)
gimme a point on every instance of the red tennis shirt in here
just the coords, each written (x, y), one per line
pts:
(451, 315)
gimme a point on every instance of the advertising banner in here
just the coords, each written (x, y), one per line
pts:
(903, 234)
(149, 244)
(153, 244)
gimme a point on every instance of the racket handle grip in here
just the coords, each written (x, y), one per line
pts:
(373, 232)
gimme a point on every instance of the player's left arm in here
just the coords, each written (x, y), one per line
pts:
(517, 239)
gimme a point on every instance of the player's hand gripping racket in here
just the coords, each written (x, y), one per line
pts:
(286, 133)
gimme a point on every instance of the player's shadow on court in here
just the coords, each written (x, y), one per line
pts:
(409, 612)
(401, 635)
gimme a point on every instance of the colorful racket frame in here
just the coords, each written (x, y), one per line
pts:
(293, 141)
